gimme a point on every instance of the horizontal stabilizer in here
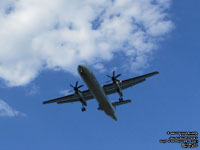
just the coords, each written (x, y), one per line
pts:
(121, 103)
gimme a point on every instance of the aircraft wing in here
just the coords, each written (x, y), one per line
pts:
(70, 98)
(111, 88)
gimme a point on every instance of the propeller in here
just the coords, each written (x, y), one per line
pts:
(76, 87)
(114, 78)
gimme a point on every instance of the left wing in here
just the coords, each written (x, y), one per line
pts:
(111, 88)
(71, 98)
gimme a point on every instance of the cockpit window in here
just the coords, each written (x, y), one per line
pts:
(81, 70)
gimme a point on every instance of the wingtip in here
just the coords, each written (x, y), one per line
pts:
(44, 102)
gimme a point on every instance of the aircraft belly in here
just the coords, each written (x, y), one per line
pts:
(97, 92)
(100, 95)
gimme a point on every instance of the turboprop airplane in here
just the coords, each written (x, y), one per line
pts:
(95, 90)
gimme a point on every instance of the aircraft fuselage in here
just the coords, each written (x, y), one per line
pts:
(97, 91)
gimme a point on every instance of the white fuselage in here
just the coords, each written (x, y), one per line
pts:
(97, 91)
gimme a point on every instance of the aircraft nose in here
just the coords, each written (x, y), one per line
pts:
(80, 68)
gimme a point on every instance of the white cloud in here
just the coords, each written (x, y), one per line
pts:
(66, 92)
(59, 34)
(100, 67)
(7, 111)
(32, 90)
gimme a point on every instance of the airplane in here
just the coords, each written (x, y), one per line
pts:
(95, 90)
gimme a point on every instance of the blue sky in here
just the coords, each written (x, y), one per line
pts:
(166, 102)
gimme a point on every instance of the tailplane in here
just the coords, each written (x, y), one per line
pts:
(121, 102)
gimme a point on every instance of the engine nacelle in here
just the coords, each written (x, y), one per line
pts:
(82, 100)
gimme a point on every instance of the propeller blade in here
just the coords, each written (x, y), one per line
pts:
(80, 86)
(108, 76)
(113, 73)
(114, 78)
(76, 83)
(76, 87)
(118, 75)
(72, 86)
(118, 80)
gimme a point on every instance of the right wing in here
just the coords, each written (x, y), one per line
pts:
(71, 98)
(111, 88)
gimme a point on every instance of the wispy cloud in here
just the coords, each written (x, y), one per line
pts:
(32, 89)
(100, 67)
(7, 111)
(59, 34)
(66, 92)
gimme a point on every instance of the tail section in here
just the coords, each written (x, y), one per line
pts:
(121, 102)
